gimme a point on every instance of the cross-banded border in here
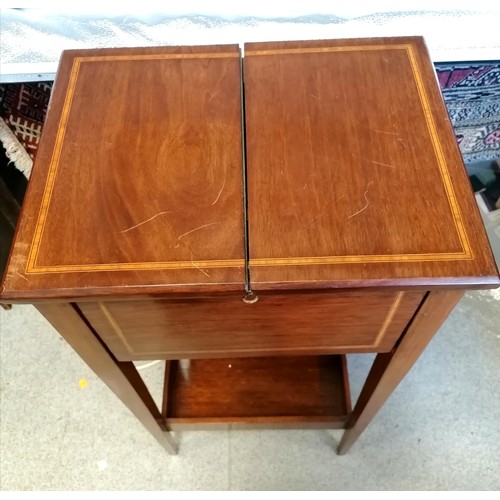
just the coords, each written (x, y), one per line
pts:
(466, 253)
(32, 266)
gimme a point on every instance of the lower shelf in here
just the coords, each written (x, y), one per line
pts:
(272, 392)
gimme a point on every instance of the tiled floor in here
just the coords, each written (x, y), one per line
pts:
(439, 430)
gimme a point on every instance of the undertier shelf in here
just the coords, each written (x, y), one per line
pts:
(270, 392)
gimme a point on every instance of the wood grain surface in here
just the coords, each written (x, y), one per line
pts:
(353, 172)
(354, 177)
(277, 324)
(285, 391)
(137, 185)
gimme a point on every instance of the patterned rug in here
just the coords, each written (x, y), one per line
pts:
(471, 92)
(23, 108)
(472, 96)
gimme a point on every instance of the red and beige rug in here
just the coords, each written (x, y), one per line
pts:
(472, 95)
(22, 112)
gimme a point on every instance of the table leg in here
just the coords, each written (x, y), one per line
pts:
(121, 377)
(390, 368)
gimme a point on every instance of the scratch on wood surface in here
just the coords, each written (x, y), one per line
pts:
(384, 132)
(197, 229)
(199, 268)
(366, 201)
(144, 222)
(383, 164)
(23, 277)
(220, 192)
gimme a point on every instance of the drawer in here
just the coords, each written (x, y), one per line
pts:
(278, 323)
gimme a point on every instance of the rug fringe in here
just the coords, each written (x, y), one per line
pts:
(14, 150)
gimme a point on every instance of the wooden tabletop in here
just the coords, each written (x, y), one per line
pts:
(353, 175)
(353, 171)
(138, 183)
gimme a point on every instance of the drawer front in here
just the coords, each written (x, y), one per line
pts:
(278, 323)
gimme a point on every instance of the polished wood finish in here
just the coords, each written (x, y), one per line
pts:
(138, 183)
(277, 324)
(258, 392)
(119, 377)
(390, 368)
(166, 383)
(142, 230)
(130, 372)
(353, 172)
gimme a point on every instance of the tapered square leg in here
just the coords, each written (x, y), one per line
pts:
(121, 377)
(390, 368)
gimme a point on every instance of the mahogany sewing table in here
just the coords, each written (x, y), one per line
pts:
(259, 216)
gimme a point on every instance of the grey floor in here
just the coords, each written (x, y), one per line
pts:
(439, 430)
